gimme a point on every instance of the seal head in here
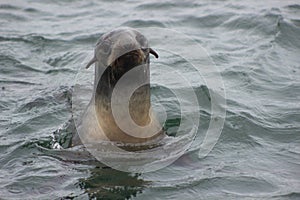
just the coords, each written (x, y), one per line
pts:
(120, 42)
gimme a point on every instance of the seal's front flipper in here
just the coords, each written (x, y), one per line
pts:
(91, 62)
(153, 53)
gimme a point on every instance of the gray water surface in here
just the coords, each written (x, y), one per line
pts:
(256, 47)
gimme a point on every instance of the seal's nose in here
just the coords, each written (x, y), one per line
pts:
(133, 57)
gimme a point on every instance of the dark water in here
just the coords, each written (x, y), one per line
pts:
(256, 47)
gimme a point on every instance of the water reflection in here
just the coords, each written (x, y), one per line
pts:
(108, 183)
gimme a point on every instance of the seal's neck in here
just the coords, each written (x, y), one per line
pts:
(139, 103)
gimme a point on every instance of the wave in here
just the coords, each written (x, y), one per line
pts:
(9, 64)
(32, 38)
(143, 23)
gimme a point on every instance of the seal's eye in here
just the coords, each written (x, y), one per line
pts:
(105, 47)
(141, 39)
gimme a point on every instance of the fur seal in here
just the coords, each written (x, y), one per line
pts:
(118, 52)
